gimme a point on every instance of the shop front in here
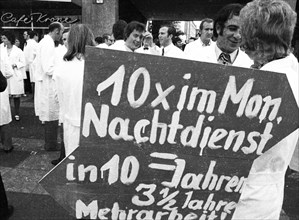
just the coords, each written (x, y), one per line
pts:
(20, 15)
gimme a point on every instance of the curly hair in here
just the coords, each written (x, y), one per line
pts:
(11, 37)
(267, 29)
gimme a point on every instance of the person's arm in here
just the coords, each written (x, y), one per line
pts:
(3, 82)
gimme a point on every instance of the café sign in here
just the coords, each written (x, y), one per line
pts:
(35, 17)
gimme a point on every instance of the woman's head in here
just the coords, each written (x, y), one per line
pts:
(79, 36)
(17, 42)
(8, 37)
(267, 29)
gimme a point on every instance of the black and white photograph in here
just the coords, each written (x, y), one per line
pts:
(149, 110)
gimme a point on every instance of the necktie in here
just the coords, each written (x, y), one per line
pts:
(205, 45)
(224, 58)
(162, 51)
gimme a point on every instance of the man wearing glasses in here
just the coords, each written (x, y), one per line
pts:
(227, 48)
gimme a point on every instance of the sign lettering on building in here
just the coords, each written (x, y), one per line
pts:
(35, 17)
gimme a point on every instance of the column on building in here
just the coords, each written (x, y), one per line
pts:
(100, 15)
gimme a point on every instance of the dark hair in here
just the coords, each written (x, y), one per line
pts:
(79, 37)
(205, 20)
(133, 25)
(32, 34)
(10, 36)
(170, 30)
(105, 37)
(99, 40)
(118, 29)
(227, 12)
(55, 25)
(176, 39)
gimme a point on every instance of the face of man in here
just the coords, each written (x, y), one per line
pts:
(164, 38)
(25, 35)
(108, 41)
(64, 38)
(134, 40)
(147, 42)
(58, 33)
(230, 39)
(112, 39)
(36, 38)
(207, 32)
(17, 43)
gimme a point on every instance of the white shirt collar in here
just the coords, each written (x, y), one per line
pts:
(232, 55)
(202, 43)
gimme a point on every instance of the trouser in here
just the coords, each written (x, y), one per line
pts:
(3, 199)
(51, 132)
(62, 147)
(27, 84)
(71, 137)
(5, 136)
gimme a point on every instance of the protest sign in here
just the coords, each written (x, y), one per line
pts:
(166, 138)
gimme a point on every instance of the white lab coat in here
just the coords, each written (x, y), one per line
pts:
(30, 52)
(118, 45)
(69, 82)
(5, 113)
(262, 196)
(195, 47)
(103, 45)
(60, 51)
(208, 54)
(121, 47)
(173, 51)
(46, 106)
(15, 75)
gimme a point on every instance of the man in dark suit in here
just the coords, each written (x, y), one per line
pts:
(5, 209)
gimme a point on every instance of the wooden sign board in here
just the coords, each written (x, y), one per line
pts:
(165, 138)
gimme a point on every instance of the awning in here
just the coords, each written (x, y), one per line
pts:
(180, 10)
(61, 7)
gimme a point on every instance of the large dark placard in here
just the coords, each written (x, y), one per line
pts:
(165, 138)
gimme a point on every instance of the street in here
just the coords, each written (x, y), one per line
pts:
(29, 162)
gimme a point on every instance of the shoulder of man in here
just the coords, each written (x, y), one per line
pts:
(243, 60)
(204, 54)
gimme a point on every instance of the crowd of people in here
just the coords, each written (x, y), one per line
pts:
(257, 35)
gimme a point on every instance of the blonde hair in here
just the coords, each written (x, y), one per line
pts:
(267, 29)
(79, 37)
